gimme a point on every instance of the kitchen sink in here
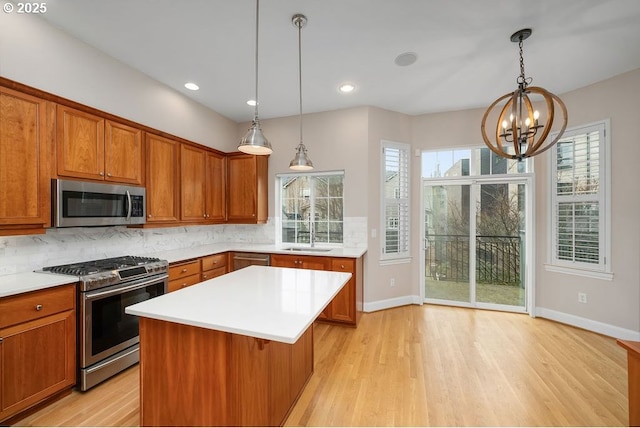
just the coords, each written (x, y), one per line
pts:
(308, 249)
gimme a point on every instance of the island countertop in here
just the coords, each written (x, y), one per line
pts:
(265, 302)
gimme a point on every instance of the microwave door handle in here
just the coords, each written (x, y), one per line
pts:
(129, 205)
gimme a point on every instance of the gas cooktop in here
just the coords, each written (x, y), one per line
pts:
(103, 272)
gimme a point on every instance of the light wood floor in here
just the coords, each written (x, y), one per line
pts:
(425, 365)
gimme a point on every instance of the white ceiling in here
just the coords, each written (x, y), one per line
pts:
(465, 57)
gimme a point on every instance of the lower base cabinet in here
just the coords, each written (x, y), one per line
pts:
(346, 307)
(37, 347)
(191, 376)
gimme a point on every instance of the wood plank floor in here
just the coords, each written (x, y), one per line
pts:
(425, 366)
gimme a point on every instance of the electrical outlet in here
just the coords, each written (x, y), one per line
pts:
(392, 282)
(582, 297)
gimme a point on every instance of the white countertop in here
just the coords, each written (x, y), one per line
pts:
(204, 250)
(265, 302)
(32, 281)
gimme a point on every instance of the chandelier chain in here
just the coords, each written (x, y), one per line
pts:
(522, 80)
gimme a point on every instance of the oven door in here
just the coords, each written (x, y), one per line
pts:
(104, 326)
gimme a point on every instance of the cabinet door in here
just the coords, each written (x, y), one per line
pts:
(162, 179)
(123, 153)
(38, 360)
(343, 306)
(216, 177)
(26, 137)
(247, 188)
(80, 144)
(192, 183)
(283, 260)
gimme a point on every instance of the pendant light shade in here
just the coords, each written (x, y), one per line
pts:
(301, 161)
(254, 142)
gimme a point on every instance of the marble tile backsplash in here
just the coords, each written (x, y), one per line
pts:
(60, 246)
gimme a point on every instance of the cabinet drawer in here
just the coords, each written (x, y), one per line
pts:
(182, 270)
(177, 284)
(208, 274)
(214, 262)
(343, 265)
(37, 304)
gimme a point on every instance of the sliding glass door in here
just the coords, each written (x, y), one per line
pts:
(475, 242)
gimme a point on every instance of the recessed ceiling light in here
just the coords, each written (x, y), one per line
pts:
(405, 59)
(345, 88)
(191, 86)
(252, 103)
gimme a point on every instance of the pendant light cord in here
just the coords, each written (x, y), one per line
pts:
(257, 27)
(300, 71)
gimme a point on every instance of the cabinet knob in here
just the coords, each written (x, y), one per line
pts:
(215, 262)
(342, 266)
(205, 276)
(148, 215)
(101, 174)
(204, 215)
(108, 174)
(184, 270)
(38, 307)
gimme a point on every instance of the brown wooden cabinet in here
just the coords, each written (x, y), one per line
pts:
(184, 274)
(162, 180)
(91, 147)
(247, 195)
(343, 308)
(216, 187)
(192, 183)
(202, 185)
(27, 126)
(214, 265)
(37, 347)
(301, 261)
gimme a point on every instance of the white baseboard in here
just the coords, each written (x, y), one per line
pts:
(391, 303)
(587, 324)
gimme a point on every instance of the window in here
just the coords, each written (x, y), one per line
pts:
(312, 207)
(395, 205)
(580, 200)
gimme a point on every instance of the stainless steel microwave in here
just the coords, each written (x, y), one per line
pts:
(83, 203)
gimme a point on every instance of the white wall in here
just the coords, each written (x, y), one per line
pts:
(39, 55)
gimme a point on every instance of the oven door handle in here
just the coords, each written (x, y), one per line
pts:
(137, 285)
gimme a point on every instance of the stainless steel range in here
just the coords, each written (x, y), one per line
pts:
(108, 338)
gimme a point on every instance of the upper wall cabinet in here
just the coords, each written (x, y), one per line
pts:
(163, 179)
(92, 147)
(202, 183)
(26, 138)
(247, 194)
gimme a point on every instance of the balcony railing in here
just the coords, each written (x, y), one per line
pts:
(497, 258)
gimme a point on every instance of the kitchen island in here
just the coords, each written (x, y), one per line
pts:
(234, 350)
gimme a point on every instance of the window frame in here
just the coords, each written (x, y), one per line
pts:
(312, 197)
(601, 270)
(400, 219)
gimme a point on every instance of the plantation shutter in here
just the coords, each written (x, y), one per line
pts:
(395, 191)
(579, 198)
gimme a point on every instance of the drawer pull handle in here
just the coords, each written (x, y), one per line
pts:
(38, 307)
(184, 284)
(342, 266)
(184, 270)
(205, 276)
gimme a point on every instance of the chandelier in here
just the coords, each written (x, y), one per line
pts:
(521, 132)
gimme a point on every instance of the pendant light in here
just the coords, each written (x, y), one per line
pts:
(301, 161)
(254, 142)
(517, 129)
